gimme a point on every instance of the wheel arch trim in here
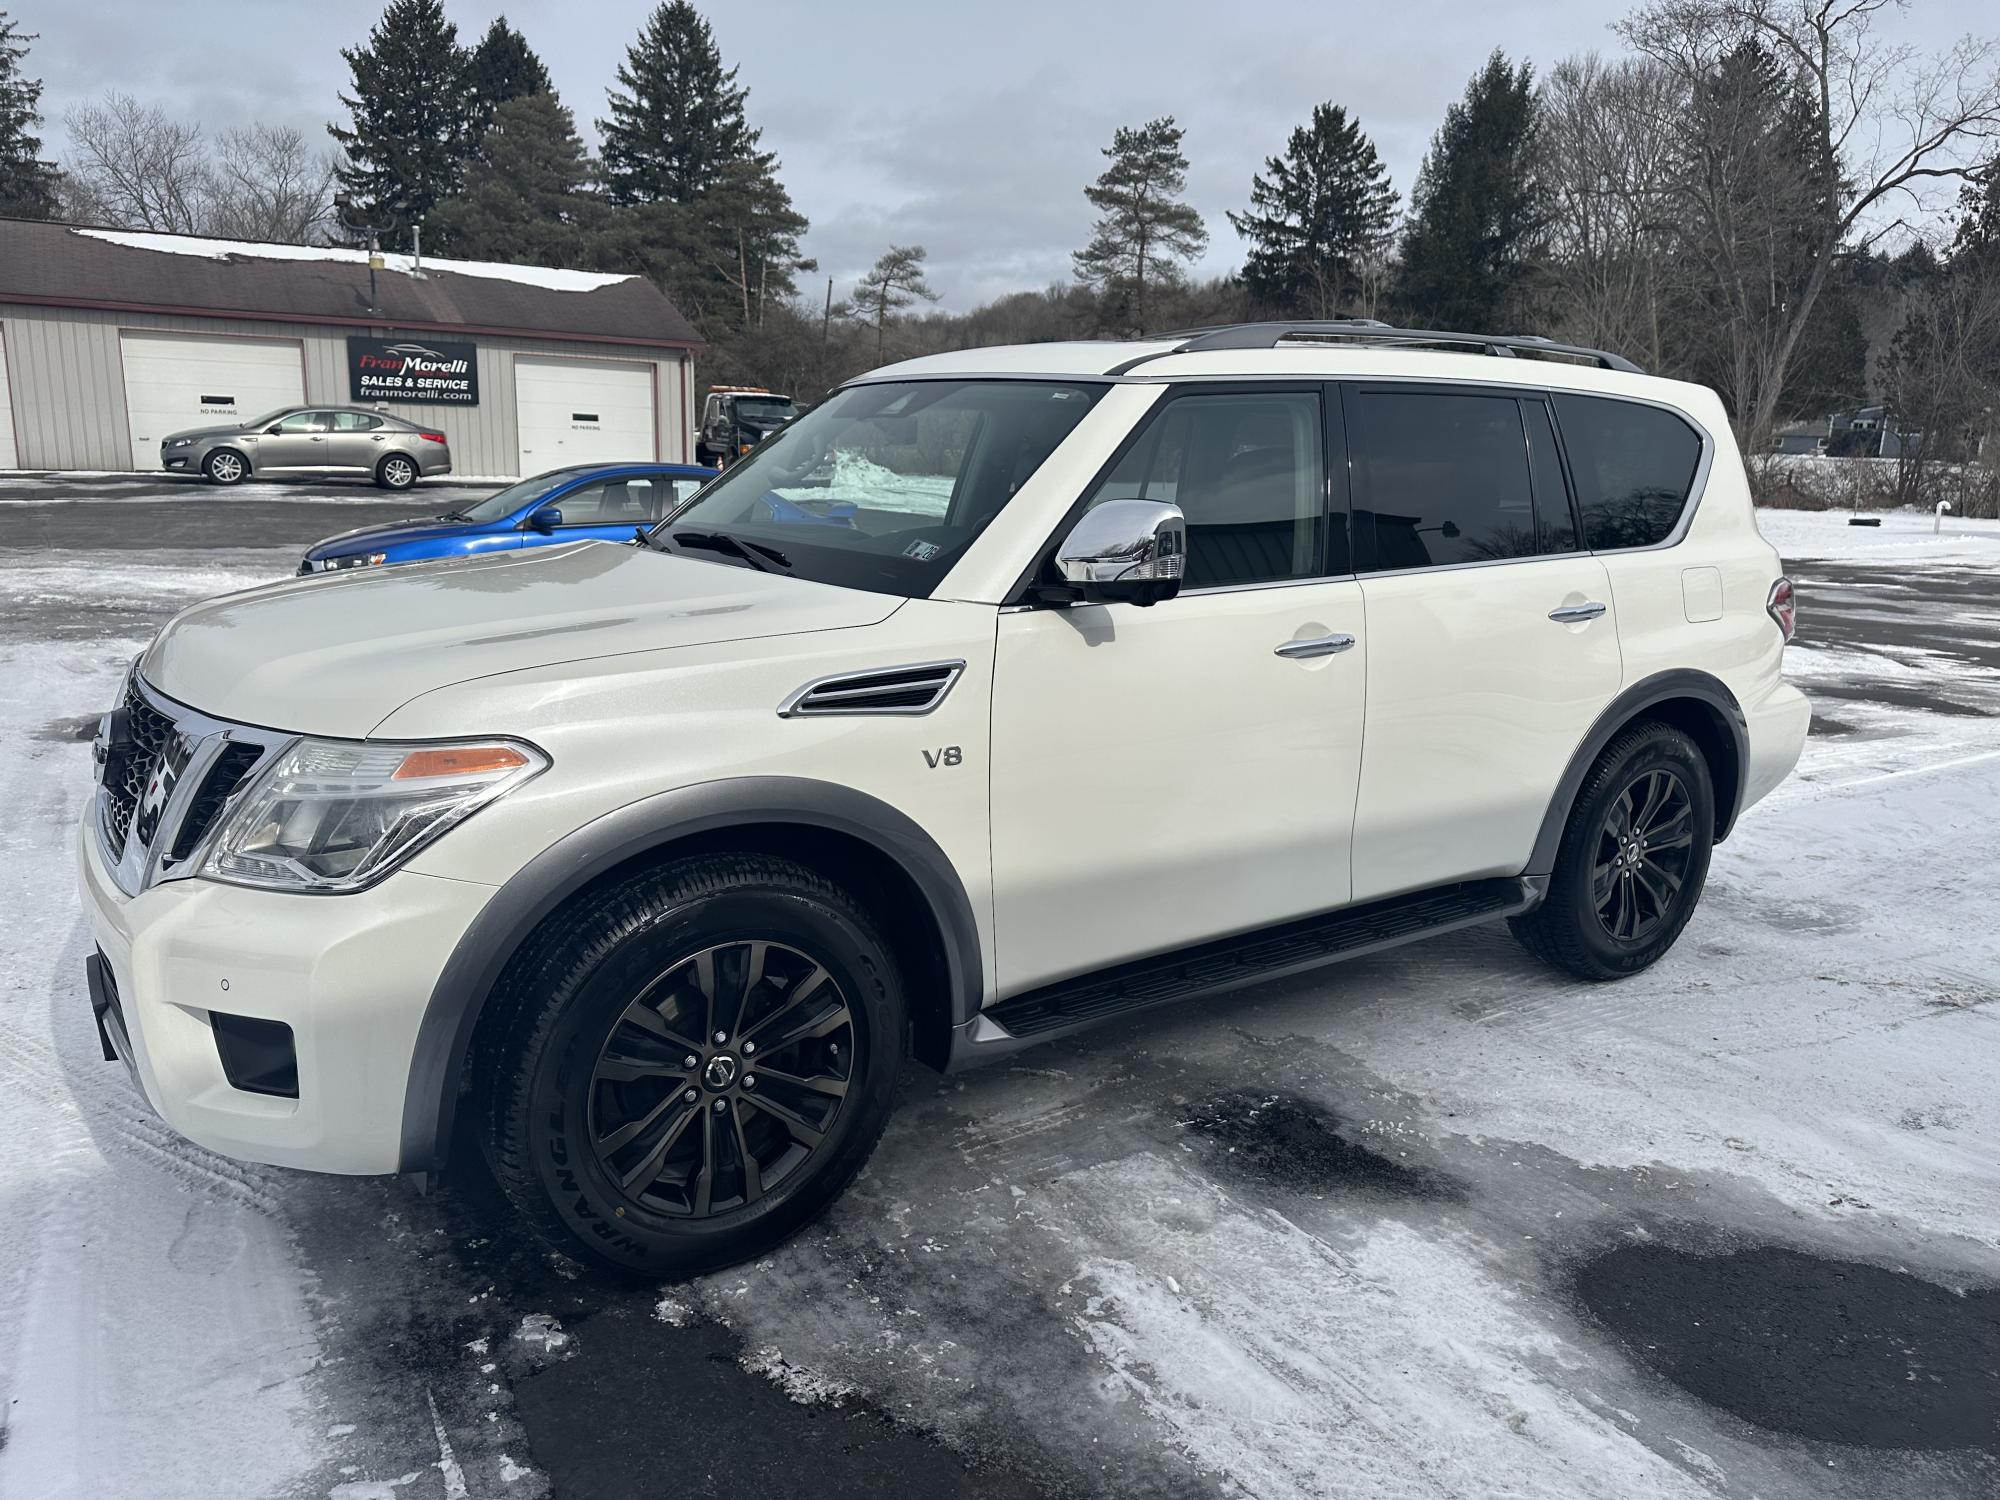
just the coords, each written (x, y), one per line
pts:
(1678, 685)
(457, 999)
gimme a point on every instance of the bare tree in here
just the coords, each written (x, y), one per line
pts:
(1612, 243)
(131, 166)
(1883, 125)
(892, 283)
(1941, 381)
(270, 184)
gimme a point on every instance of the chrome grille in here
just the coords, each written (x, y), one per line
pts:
(126, 773)
(888, 690)
(166, 774)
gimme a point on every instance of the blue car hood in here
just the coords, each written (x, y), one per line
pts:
(387, 534)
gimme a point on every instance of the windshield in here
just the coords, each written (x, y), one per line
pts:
(881, 487)
(765, 408)
(271, 417)
(497, 507)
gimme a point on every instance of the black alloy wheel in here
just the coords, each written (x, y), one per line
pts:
(1644, 845)
(721, 1078)
(679, 1070)
(1632, 860)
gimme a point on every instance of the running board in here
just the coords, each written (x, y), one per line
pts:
(1230, 963)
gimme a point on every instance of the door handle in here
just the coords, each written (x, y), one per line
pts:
(1576, 614)
(1321, 645)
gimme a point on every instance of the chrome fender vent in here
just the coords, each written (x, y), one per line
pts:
(889, 690)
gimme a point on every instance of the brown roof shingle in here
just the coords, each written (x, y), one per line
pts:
(67, 266)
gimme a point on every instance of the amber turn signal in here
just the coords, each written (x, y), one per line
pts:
(459, 760)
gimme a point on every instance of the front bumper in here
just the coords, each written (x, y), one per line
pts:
(350, 975)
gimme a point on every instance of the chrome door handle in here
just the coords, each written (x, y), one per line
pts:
(1575, 614)
(1322, 645)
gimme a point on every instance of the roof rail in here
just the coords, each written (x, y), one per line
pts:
(1370, 331)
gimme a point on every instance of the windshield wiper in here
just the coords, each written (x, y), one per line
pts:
(722, 541)
(454, 515)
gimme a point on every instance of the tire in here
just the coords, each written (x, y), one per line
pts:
(586, 1121)
(396, 472)
(226, 467)
(1633, 858)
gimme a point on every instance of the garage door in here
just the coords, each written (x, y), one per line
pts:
(8, 458)
(576, 411)
(176, 380)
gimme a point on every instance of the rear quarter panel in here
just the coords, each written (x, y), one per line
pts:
(1700, 604)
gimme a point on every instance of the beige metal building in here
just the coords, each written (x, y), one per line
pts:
(110, 340)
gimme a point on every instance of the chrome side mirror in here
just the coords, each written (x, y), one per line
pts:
(1125, 552)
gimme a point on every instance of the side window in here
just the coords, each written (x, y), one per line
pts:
(611, 502)
(303, 421)
(1633, 466)
(1248, 472)
(682, 488)
(1439, 479)
(1554, 522)
(355, 421)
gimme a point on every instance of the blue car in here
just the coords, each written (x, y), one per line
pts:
(580, 503)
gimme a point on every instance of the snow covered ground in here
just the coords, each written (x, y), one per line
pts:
(1435, 1223)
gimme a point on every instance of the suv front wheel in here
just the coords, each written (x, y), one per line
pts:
(694, 1066)
(1632, 861)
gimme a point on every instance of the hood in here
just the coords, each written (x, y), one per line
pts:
(337, 653)
(216, 429)
(388, 533)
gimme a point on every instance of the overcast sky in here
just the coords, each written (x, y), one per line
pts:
(968, 129)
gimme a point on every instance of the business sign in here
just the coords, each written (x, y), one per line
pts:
(412, 370)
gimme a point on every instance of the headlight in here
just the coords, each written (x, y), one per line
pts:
(355, 560)
(339, 815)
(181, 443)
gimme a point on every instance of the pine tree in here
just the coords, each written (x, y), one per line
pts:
(1319, 217)
(27, 183)
(677, 122)
(503, 66)
(526, 195)
(708, 216)
(892, 283)
(413, 115)
(1477, 205)
(1142, 227)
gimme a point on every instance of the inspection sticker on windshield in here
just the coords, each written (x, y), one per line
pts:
(922, 551)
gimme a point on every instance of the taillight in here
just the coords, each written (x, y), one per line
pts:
(1783, 606)
(431, 437)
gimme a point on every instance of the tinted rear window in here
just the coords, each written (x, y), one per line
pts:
(1439, 479)
(1633, 467)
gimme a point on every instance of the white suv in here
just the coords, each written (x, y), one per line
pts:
(1006, 692)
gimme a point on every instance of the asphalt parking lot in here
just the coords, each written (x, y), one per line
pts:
(1433, 1223)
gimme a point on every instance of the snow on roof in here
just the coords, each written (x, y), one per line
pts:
(545, 277)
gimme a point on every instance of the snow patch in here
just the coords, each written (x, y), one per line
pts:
(675, 1313)
(373, 1489)
(546, 277)
(807, 1387)
(544, 1335)
(1904, 537)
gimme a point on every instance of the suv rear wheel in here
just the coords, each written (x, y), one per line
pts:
(694, 1067)
(1632, 861)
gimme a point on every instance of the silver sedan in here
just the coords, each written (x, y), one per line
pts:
(311, 440)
